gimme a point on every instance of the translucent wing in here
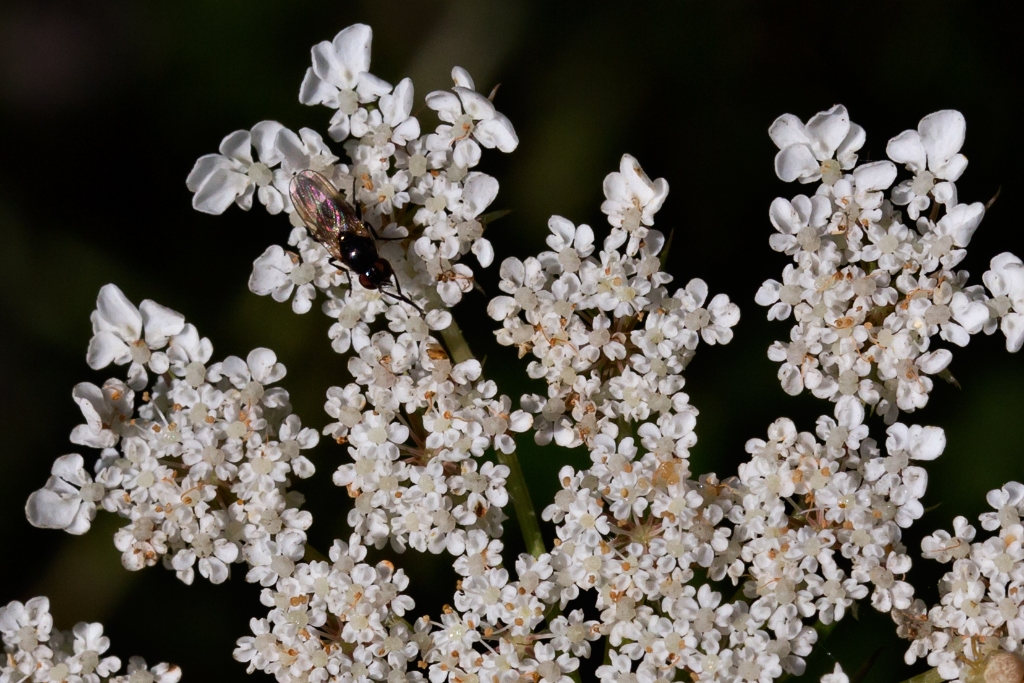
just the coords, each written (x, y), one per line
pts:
(325, 213)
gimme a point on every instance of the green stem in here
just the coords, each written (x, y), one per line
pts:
(314, 555)
(516, 482)
(929, 676)
(520, 495)
(456, 343)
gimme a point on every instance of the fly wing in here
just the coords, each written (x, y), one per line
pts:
(325, 213)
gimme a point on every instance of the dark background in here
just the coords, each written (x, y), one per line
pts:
(104, 108)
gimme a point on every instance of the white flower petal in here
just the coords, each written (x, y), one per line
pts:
(875, 176)
(315, 90)
(942, 135)
(462, 78)
(926, 443)
(797, 162)
(788, 130)
(497, 132)
(475, 104)
(264, 366)
(115, 313)
(478, 193)
(352, 46)
(827, 130)
(237, 146)
(219, 191)
(906, 148)
(1012, 325)
(160, 323)
(484, 251)
(934, 362)
(106, 348)
(961, 221)
(264, 139)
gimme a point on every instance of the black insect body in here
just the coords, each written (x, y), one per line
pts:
(333, 222)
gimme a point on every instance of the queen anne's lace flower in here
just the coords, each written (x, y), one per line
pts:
(931, 153)
(869, 293)
(1006, 282)
(818, 150)
(199, 468)
(34, 650)
(412, 188)
(605, 334)
(200, 457)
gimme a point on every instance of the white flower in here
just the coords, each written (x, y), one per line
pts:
(68, 501)
(470, 120)
(632, 198)
(806, 151)
(232, 176)
(123, 333)
(931, 153)
(391, 122)
(1005, 280)
(35, 650)
(340, 77)
(106, 410)
(837, 676)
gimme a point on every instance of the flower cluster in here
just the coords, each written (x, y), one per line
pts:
(200, 468)
(416, 426)
(418, 190)
(981, 605)
(811, 523)
(603, 331)
(322, 605)
(869, 293)
(35, 651)
(870, 290)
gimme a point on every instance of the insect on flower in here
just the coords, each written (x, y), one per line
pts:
(333, 222)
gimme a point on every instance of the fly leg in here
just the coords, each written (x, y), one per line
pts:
(378, 237)
(400, 295)
(344, 269)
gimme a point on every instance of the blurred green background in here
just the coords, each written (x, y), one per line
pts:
(104, 107)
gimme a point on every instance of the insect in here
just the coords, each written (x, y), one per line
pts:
(333, 223)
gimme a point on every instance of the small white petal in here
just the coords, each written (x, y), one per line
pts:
(906, 148)
(219, 191)
(475, 104)
(264, 366)
(926, 443)
(796, 162)
(934, 362)
(827, 130)
(942, 135)
(462, 78)
(478, 192)
(875, 176)
(264, 139)
(160, 323)
(484, 251)
(1012, 326)
(788, 130)
(497, 132)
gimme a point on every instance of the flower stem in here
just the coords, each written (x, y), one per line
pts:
(516, 482)
(929, 676)
(520, 495)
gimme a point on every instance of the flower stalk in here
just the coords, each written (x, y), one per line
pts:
(526, 515)
(929, 676)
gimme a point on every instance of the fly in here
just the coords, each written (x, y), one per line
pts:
(333, 223)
